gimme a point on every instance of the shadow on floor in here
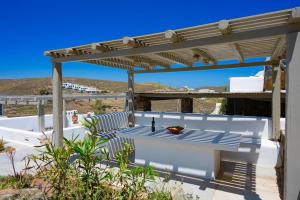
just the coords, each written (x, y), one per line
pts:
(236, 178)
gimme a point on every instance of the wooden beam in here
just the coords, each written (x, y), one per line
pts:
(136, 43)
(110, 64)
(276, 103)
(212, 67)
(173, 36)
(295, 16)
(57, 104)
(204, 56)
(150, 61)
(278, 49)
(214, 40)
(101, 47)
(131, 42)
(131, 118)
(237, 50)
(175, 58)
(225, 29)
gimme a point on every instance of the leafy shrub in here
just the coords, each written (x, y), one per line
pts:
(44, 92)
(2, 145)
(99, 107)
(19, 180)
(77, 170)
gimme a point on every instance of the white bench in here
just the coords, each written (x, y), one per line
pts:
(107, 124)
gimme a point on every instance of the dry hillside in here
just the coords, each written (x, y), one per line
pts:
(33, 87)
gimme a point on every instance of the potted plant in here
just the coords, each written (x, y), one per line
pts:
(75, 118)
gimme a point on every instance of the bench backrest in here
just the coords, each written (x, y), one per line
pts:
(116, 145)
(112, 121)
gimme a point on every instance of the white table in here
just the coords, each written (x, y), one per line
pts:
(193, 152)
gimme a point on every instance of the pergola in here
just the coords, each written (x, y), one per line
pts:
(221, 45)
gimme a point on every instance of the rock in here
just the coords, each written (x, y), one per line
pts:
(22, 194)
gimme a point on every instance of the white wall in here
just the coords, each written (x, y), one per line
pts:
(246, 84)
(30, 123)
(256, 127)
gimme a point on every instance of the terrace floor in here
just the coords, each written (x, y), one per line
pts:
(236, 181)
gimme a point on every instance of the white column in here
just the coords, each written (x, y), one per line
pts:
(131, 120)
(57, 104)
(292, 145)
(41, 116)
(276, 103)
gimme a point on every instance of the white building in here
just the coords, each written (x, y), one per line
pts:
(92, 90)
(80, 88)
(186, 88)
(247, 84)
(205, 90)
(67, 85)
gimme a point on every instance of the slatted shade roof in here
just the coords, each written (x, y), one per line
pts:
(237, 39)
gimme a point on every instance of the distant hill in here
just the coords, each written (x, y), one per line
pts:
(33, 86)
(216, 88)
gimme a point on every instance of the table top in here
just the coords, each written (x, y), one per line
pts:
(201, 138)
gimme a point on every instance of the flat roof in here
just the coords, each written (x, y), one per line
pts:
(195, 48)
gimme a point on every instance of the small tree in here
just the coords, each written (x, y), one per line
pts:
(44, 92)
(99, 107)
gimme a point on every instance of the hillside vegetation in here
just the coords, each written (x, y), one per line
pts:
(34, 86)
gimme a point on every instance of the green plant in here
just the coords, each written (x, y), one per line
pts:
(18, 179)
(223, 106)
(77, 171)
(160, 195)
(99, 107)
(53, 165)
(44, 92)
(2, 145)
(91, 125)
(132, 179)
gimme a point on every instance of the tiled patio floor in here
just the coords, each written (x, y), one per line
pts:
(236, 181)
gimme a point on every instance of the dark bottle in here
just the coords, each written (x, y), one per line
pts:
(153, 125)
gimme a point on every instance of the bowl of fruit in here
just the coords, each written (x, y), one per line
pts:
(175, 129)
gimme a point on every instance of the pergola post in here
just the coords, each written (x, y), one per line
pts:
(41, 116)
(292, 144)
(131, 98)
(276, 111)
(65, 119)
(57, 104)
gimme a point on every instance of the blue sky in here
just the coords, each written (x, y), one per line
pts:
(28, 28)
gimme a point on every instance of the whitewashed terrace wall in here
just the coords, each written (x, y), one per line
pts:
(30, 123)
(254, 127)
